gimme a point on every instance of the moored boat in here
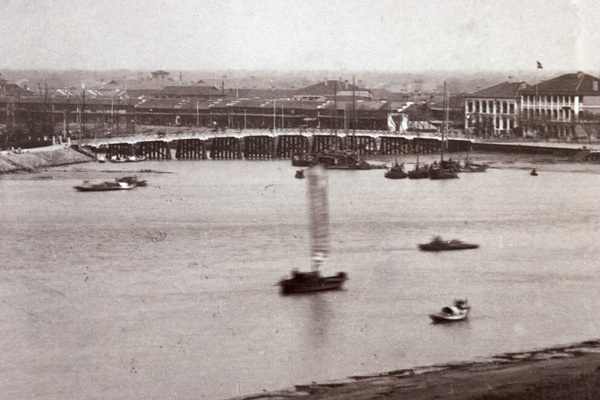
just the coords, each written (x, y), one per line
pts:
(396, 172)
(419, 172)
(104, 186)
(438, 244)
(445, 169)
(470, 166)
(303, 160)
(457, 312)
(300, 174)
(132, 180)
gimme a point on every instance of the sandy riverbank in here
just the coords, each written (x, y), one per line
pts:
(30, 160)
(569, 372)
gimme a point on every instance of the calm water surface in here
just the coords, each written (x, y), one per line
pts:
(170, 290)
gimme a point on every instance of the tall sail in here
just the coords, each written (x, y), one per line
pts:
(319, 215)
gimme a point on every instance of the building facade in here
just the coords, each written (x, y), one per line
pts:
(494, 112)
(564, 107)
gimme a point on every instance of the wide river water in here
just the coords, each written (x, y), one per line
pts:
(169, 291)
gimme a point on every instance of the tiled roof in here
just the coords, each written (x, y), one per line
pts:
(158, 103)
(191, 91)
(261, 93)
(578, 83)
(506, 90)
(326, 88)
(360, 105)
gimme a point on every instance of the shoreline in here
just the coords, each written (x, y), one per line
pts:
(30, 160)
(551, 373)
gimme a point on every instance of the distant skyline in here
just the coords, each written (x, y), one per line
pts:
(285, 35)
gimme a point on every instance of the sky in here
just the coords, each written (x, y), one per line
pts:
(295, 35)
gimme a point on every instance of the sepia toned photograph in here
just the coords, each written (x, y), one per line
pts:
(284, 199)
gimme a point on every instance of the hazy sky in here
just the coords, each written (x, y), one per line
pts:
(395, 35)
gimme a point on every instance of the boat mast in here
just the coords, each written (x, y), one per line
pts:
(353, 107)
(418, 150)
(444, 124)
(318, 216)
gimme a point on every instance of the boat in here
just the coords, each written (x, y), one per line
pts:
(457, 312)
(533, 173)
(419, 171)
(104, 186)
(303, 160)
(312, 281)
(396, 172)
(470, 166)
(134, 158)
(436, 171)
(344, 159)
(438, 244)
(445, 169)
(133, 180)
(300, 174)
(118, 158)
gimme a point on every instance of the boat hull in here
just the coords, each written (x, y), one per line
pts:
(418, 174)
(396, 175)
(441, 318)
(101, 189)
(435, 247)
(308, 283)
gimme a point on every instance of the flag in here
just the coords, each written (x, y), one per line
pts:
(539, 65)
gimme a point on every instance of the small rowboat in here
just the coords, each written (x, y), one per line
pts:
(458, 312)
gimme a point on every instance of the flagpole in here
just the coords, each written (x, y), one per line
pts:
(537, 101)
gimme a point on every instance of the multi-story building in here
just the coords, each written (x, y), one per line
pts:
(494, 111)
(564, 107)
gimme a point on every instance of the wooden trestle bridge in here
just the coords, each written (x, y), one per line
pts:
(266, 145)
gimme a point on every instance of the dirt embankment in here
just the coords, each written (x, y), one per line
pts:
(31, 160)
(570, 372)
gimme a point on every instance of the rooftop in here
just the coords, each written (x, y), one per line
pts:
(506, 90)
(578, 83)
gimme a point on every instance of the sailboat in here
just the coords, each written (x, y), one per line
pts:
(312, 281)
(420, 172)
(471, 166)
(444, 170)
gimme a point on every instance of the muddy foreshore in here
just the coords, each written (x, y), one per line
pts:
(30, 160)
(566, 372)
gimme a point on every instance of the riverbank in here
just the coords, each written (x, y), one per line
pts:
(32, 159)
(568, 372)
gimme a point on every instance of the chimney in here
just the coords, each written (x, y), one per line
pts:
(579, 74)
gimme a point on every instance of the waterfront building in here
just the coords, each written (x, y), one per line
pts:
(160, 75)
(566, 107)
(494, 111)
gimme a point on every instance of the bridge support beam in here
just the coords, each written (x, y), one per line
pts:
(155, 150)
(363, 145)
(259, 147)
(226, 148)
(395, 145)
(190, 149)
(288, 145)
(322, 142)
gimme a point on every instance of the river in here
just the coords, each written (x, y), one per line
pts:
(169, 291)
